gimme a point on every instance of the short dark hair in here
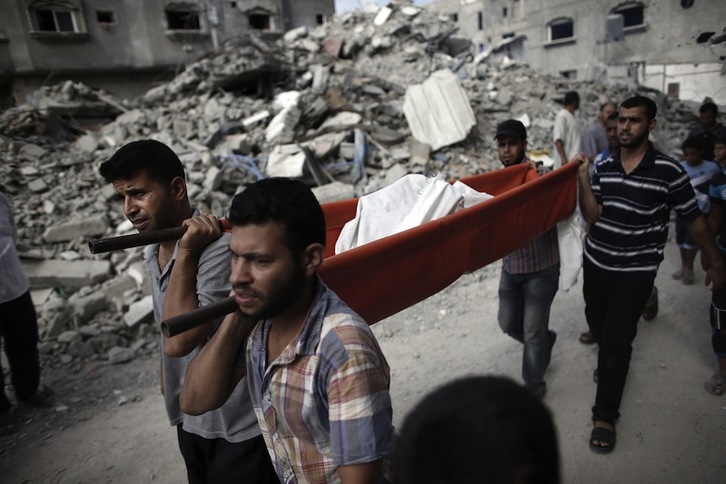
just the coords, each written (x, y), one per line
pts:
(641, 101)
(282, 200)
(159, 161)
(612, 116)
(720, 141)
(571, 97)
(478, 426)
(708, 107)
(693, 143)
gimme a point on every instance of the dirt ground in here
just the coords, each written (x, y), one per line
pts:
(110, 426)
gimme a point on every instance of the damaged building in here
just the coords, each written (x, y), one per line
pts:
(125, 46)
(675, 46)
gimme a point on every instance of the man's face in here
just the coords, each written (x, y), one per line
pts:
(606, 112)
(708, 118)
(633, 126)
(267, 278)
(147, 203)
(511, 150)
(611, 128)
(692, 156)
(719, 152)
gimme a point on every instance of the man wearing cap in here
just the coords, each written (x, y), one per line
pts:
(530, 276)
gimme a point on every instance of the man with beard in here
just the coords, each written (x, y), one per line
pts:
(318, 380)
(225, 445)
(628, 205)
(530, 277)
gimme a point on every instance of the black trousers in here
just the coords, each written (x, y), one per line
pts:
(614, 303)
(19, 332)
(217, 461)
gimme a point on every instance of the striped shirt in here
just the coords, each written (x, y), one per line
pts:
(631, 233)
(541, 253)
(324, 402)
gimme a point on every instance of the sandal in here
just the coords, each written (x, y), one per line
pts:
(677, 275)
(602, 436)
(8, 425)
(43, 397)
(715, 384)
(587, 338)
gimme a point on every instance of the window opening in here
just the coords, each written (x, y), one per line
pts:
(259, 21)
(183, 20)
(55, 21)
(633, 15)
(562, 29)
(105, 17)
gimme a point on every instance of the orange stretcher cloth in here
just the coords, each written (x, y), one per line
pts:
(385, 276)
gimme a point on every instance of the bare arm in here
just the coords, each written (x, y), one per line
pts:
(368, 473)
(716, 271)
(212, 375)
(181, 295)
(714, 219)
(589, 207)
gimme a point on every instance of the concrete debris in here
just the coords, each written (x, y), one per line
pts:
(343, 106)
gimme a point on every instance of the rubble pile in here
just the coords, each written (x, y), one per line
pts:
(334, 106)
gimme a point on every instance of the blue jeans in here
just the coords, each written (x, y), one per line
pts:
(524, 314)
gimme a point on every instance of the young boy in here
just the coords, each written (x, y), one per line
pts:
(700, 172)
(719, 152)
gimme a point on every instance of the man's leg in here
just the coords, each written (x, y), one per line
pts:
(595, 294)
(539, 291)
(246, 461)
(194, 450)
(511, 305)
(627, 296)
(20, 335)
(716, 385)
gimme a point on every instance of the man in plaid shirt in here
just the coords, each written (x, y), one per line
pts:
(318, 380)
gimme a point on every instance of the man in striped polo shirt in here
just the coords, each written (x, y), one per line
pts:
(628, 205)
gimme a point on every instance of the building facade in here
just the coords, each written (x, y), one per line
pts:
(124, 46)
(676, 46)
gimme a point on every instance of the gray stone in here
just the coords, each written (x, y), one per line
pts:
(333, 192)
(84, 227)
(88, 143)
(69, 336)
(393, 174)
(139, 312)
(212, 179)
(29, 151)
(281, 129)
(37, 185)
(60, 273)
(117, 355)
(88, 306)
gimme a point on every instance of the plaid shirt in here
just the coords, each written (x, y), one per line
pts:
(324, 402)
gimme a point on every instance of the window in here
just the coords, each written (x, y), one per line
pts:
(454, 17)
(179, 18)
(569, 74)
(259, 21)
(56, 19)
(561, 29)
(480, 20)
(106, 17)
(319, 19)
(633, 15)
(505, 11)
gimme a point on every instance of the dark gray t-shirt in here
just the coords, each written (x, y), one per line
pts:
(235, 421)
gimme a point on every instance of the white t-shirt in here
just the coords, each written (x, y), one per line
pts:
(568, 131)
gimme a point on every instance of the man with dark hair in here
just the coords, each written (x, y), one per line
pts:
(223, 445)
(530, 277)
(318, 380)
(478, 429)
(709, 130)
(566, 134)
(595, 138)
(628, 206)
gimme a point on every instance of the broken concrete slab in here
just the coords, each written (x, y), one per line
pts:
(333, 192)
(87, 227)
(140, 311)
(281, 129)
(60, 273)
(285, 160)
(438, 110)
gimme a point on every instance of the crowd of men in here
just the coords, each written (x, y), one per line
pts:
(293, 386)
